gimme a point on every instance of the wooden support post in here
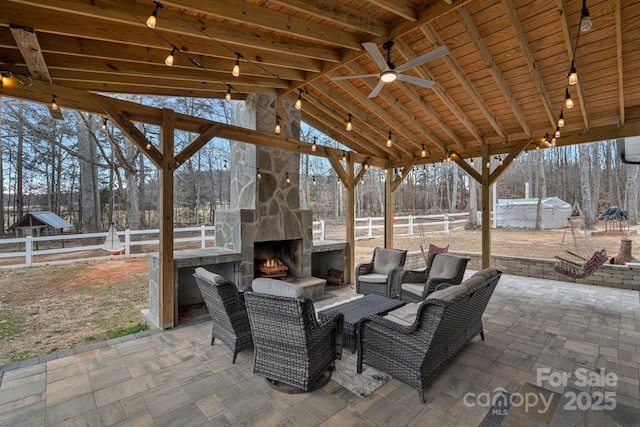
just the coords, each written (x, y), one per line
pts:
(388, 207)
(167, 310)
(350, 274)
(486, 209)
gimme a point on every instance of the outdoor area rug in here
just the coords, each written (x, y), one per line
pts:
(362, 384)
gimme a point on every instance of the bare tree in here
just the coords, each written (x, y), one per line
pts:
(585, 185)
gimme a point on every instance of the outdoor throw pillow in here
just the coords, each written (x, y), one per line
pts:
(433, 249)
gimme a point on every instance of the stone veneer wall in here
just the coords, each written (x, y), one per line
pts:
(613, 276)
(265, 209)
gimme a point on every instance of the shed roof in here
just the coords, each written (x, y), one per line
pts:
(40, 219)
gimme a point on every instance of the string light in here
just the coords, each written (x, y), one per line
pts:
(500, 161)
(526, 152)
(423, 153)
(488, 164)
(448, 156)
(153, 18)
(259, 174)
(553, 142)
(546, 138)
(54, 105)
(148, 146)
(389, 142)
(400, 173)
(366, 165)
(557, 133)
(288, 179)
(568, 102)
(299, 100)
(573, 75)
(433, 166)
(348, 124)
(344, 156)
(104, 124)
(585, 20)
(224, 168)
(314, 180)
(471, 163)
(170, 58)
(314, 147)
(278, 129)
(236, 68)
(561, 119)
(227, 95)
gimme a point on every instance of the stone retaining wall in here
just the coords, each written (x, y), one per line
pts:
(612, 276)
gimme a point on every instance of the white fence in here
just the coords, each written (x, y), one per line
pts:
(365, 228)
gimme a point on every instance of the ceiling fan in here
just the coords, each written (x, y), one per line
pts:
(389, 72)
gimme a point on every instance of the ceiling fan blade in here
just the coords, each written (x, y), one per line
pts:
(416, 81)
(436, 53)
(376, 90)
(359, 76)
(375, 54)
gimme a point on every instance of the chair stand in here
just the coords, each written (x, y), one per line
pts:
(290, 389)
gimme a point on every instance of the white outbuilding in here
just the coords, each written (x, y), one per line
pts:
(521, 213)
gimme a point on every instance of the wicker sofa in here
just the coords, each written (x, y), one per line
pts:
(414, 342)
(445, 269)
(291, 347)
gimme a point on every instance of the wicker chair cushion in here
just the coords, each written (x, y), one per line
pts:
(386, 259)
(414, 288)
(404, 315)
(277, 288)
(444, 265)
(473, 281)
(209, 275)
(487, 273)
(373, 278)
(448, 294)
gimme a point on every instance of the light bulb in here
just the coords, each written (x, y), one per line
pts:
(344, 156)
(573, 74)
(259, 174)
(278, 129)
(366, 165)
(561, 119)
(488, 165)
(389, 142)
(585, 24)
(423, 153)
(568, 102)
(288, 179)
(236, 68)
(299, 100)
(225, 166)
(472, 164)
(500, 161)
(313, 146)
(400, 173)
(553, 141)
(349, 125)
(227, 95)
(148, 146)
(153, 18)
(314, 180)
(54, 105)
(169, 59)
(557, 133)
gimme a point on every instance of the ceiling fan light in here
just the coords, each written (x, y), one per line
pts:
(388, 76)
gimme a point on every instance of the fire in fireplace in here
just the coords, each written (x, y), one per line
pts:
(280, 259)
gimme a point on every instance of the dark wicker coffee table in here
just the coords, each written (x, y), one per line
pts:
(354, 311)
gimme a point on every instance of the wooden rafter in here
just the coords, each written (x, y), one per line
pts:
(528, 57)
(507, 161)
(619, 58)
(403, 8)
(462, 78)
(194, 146)
(483, 50)
(408, 55)
(566, 29)
(405, 168)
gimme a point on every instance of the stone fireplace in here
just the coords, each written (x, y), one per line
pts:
(280, 259)
(265, 214)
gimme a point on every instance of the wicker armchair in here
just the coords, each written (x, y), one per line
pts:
(228, 312)
(414, 342)
(381, 276)
(444, 270)
(293, 351)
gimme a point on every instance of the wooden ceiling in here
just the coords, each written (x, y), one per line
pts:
(500, 89)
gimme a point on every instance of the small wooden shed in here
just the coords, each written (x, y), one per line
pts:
(35, 223)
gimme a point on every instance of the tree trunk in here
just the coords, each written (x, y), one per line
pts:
(585, 185)
(20, 156)
(596, 175)
(542, 189)
(89, 194)
(472, 222)
(454, 193)
(2, 224)
(633, 175)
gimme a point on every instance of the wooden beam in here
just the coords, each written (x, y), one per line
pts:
(119, 118)
(405, 9)
(430, 12)
(464, 81)
(408, 54)
(483, 51)
(467, 167)
(486, 209)
(194, 146)
(528, 57)
(566, 30)
(506, 162)
(619, 58)
(337, 167)
(168, 310)
(29, 47)
(243, 13)
(350, 220)
(403, 173)
(338, 14)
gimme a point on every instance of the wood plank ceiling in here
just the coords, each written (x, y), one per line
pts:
(502, 85)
